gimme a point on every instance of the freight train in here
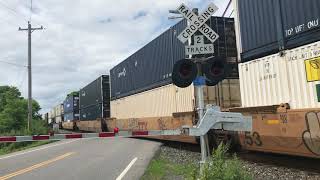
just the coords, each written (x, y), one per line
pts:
(274, 79)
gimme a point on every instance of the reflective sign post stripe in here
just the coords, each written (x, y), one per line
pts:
(134, 133)
(73, 136)
(107, 134)
(8, 139)
(41, 137)
(140, 133)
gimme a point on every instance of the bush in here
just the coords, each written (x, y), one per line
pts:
(220, 166)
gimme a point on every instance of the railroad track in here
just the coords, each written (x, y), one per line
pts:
(294, 162)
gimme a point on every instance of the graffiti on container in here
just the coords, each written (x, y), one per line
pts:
(253, 138)
(162, 124)
(142, 125)
(133, 124)
(311, 136)
(284, 118)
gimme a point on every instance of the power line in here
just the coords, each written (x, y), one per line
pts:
(14, 64)
(13, 11)
(30, 10)
(225, 11)
(231, 12)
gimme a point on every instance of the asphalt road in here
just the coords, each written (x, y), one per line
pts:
(84, 159)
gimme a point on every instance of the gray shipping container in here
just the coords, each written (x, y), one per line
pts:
(269, 26)
(95, 99)
(151, 66)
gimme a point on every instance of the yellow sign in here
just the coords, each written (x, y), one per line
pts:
(273, 121)
(313, 69)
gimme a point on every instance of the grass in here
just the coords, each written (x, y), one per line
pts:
(161, 168)
(219, 166)
(6, 148)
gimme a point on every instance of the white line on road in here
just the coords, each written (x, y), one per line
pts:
(46, 147)
(127, 169)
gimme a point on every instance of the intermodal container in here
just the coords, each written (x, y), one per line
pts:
(265, 27)
(71, 116)
(58, 110)
(95, 99)
(71, 104)
(151, 66)
(166, 100)
(292, 78)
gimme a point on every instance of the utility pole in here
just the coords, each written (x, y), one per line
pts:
(30, 30)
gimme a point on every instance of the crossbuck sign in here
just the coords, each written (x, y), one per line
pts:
(197, 23)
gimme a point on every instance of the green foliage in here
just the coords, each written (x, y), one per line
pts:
(13, 119)
(74, 93)
(14, 113)
(222, 167)
(6, 148)
(162, 168)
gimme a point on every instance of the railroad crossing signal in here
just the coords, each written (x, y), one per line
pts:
(214, 69)
(197, 23)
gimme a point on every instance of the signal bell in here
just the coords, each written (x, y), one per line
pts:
(215, 69)
(184, 72)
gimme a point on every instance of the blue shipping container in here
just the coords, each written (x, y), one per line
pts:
(71, 116)
(268, 26)
(151, 66)
(71, 104)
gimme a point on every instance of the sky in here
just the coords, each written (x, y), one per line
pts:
(81, 40)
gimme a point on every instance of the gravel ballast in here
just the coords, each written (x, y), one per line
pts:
(186, 154)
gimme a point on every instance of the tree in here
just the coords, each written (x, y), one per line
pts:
(14, 110)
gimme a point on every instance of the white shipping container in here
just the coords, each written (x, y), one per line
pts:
(166, 100)
(162, 101)
(52, 113)
(275, 79)
(58, 110)
(58, 119)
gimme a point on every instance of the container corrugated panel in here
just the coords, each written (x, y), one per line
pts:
(274, 80)
(158, 102)
(265, 24)
(226, 94)
(93, 112)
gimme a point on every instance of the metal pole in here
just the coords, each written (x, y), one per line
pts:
(30, 30)
(200, 103)
(29, 77)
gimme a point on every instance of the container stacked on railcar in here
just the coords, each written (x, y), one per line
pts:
(94, 105)
(278, 42)
(71, 107)
(142, 93)
(58, 113)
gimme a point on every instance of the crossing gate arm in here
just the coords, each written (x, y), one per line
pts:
(215, 119)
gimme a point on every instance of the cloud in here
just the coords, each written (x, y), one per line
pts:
(81, 40)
